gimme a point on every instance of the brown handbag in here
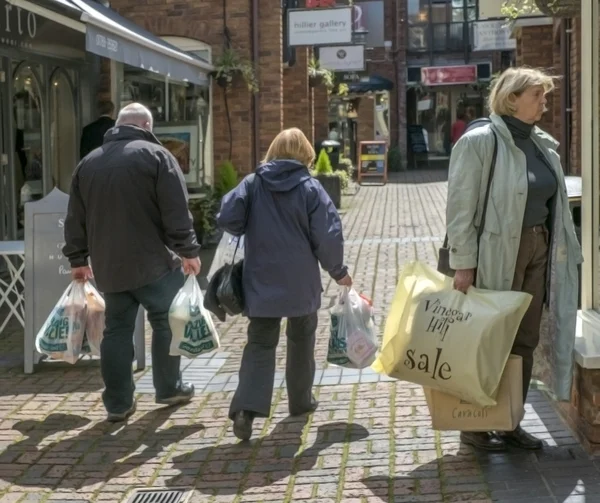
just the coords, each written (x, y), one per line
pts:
(444, 252)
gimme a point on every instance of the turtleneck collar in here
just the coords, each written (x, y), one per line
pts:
(518, 128)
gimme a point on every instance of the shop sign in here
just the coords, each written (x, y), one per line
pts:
(342, 58)
(446, 75)
(350, 77)
(48, 270)
(373, 160)
(493, 36)
(18, 27)
(308, 27)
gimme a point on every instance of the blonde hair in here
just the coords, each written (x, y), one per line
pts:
(291, 144)
(513, 82)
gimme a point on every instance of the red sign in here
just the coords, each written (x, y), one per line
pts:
(443, 75)
(311, 4)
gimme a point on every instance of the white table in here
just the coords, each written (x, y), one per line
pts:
(12, 294)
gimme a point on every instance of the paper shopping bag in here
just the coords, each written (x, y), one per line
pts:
(451, 413)
(440, 338)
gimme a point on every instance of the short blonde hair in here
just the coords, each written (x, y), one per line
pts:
(513, 82)
(291, 144)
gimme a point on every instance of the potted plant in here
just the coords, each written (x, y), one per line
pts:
(205, 209)
(330, 180)
(230, 65)
(318, 75)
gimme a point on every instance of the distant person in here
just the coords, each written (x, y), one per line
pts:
(459, 126)
(128, 215)
(92, 136)
(333, 134)
(290, 227)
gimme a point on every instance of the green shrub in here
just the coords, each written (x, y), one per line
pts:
(323, 166)
(395, 160)
(344, 178)
(227, 179)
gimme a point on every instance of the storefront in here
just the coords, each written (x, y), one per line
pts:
(436, 101)
(50, 66)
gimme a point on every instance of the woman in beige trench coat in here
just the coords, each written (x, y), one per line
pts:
(528, 241)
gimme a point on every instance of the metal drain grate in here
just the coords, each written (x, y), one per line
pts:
(159, 496)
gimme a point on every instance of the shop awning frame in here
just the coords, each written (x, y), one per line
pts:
(110, 35)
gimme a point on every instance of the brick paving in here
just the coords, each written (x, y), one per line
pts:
(369, 441)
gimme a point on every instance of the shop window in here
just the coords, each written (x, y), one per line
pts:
(140, 86)
(63, 130)
(27, 114)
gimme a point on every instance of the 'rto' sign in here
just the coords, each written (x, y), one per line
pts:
(309, 27)
(110, 44)
(17, 20)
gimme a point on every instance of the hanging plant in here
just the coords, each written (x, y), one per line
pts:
(513, 9)
(318, 75)
(230, 65)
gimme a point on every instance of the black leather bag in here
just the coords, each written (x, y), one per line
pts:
(226, 287)
(444, 252)
(230, 291)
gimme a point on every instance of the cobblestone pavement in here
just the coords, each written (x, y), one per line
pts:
(369, 441)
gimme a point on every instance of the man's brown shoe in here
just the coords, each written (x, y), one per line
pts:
(486, 441)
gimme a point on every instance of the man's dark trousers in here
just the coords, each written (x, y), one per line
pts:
(117, 351)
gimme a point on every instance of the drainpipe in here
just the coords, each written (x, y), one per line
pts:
(565, 94)
(255, 97)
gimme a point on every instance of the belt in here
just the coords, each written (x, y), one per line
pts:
(537, 229)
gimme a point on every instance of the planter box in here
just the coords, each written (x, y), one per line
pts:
(333, 187)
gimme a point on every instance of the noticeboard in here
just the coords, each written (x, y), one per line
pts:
(373, 160)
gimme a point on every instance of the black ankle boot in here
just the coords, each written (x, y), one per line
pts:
(486, 441)
(242, 425)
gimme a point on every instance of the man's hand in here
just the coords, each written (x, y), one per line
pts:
(191, 266)
(346, 281)
(463, 279)
(82, 274)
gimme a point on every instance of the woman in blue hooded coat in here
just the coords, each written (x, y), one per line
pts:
(290, 226)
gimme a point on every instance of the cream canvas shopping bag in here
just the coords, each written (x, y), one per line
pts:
(440, 338)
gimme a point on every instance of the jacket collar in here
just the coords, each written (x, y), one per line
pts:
(130, 133)
(538, 135)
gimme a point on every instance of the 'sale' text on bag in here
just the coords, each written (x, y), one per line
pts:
(440, 368)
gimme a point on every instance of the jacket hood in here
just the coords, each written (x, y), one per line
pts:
(283, 175)
(129, 133)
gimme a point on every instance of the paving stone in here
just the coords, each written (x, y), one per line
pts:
(356, 448)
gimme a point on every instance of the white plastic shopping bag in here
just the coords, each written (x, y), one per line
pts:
(94, 326)
(194, 332)
(226, 252)
(61, 336)
(352, 340)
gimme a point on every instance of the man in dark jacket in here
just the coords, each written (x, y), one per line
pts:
(92, 136)
(128, 216)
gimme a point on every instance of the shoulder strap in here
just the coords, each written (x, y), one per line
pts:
(487, 192)
(489, 186)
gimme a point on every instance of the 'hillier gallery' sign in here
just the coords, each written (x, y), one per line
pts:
(18, 27)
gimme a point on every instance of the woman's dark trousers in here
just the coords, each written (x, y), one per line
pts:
(257, 373)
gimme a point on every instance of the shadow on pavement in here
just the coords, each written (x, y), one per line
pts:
(272, 458)
(91, 456)
(553, 474)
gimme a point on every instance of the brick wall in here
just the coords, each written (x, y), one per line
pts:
(320, 112)
(536, 48)
(270, 72)
(296, 95)
(366, 119)
(575, 62)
